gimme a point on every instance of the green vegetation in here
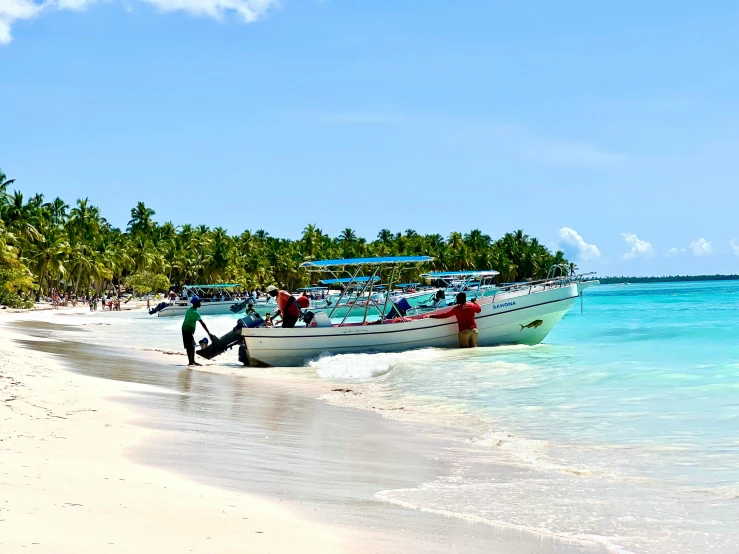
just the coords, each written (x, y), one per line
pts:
(47, 245)
(147, 281)
(667, 279)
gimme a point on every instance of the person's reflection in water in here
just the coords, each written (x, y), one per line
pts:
(184, 383)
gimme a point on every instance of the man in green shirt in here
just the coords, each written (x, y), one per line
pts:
(192, 316)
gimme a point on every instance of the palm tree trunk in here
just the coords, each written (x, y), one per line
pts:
(79, 278)
(42, 275)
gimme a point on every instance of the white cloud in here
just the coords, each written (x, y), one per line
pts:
(734, 246)
(575, 246)
(675, 251)
(11, 11)
(639, 248)
(248, 10)
(701, 247)
(74, 5)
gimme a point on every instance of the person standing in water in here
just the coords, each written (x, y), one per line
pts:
(192, 316)
(287, 306)
(465, 313)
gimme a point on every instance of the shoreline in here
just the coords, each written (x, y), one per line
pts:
(361, 532)
(65, 471)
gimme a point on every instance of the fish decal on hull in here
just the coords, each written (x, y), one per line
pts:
(533, 325)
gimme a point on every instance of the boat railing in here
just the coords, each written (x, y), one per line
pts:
(529, 287)
(522, 288)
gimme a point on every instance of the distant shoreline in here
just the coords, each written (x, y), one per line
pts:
(667, 279)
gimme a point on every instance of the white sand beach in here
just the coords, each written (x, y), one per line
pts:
(92, 464)
(66, 485)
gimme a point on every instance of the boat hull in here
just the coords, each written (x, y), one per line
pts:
(519, 318)
(206, 308)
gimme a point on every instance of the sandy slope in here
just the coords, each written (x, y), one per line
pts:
(65, 485)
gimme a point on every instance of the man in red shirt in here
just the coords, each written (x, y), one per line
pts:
(465, 313)
(287, 307)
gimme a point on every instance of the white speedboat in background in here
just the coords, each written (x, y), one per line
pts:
(215, 300)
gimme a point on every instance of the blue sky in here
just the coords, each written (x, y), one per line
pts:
(610, 129)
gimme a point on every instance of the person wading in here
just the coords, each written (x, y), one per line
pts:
(192, 316)
(287, 307)
(465, 313)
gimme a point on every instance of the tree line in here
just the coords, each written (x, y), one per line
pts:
(667, 279)
(50, 245)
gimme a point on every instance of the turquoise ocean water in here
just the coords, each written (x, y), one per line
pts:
(622, 428)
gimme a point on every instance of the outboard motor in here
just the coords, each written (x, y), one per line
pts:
(231, 338)
(307, 317)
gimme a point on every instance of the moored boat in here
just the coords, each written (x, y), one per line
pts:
(215, 300)
(521, 315)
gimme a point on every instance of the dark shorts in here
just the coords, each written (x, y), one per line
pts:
(188, 339)
(289, 321)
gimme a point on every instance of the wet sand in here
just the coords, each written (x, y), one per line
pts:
(272, 438)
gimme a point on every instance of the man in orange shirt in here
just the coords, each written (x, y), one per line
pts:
(465, 313)
(287, 307)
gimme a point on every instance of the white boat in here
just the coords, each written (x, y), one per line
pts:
(214, 300)
(523, 315)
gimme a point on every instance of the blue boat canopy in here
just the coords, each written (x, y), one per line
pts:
(347, 280)
(368, 261)
(452, 274)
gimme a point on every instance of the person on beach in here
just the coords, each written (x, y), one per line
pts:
(192, 316)
(465, 313)
(286, 306)
(95, 304)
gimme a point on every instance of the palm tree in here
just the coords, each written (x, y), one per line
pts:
(348, 235)
(50, 254)
(312, 239)
(385, 236)
(141, 221)
(57, 211)
(84, 220)
(4, 182)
